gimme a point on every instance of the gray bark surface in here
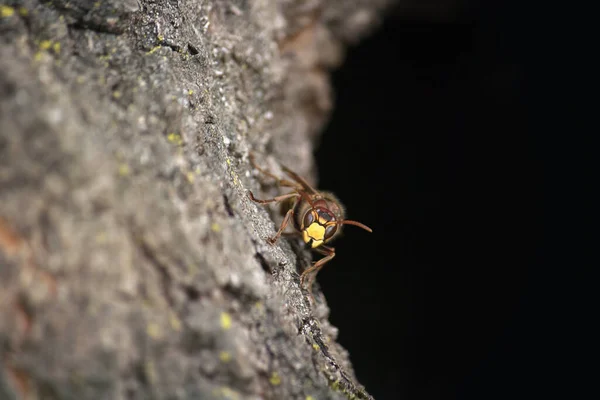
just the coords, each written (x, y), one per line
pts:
(132, 263)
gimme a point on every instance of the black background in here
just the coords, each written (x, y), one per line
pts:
(444, 140)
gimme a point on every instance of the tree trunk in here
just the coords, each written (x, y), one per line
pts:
(132, 263)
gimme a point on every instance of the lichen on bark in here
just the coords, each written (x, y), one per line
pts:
(132, 263)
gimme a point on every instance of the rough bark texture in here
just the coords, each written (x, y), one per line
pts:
(132, 263)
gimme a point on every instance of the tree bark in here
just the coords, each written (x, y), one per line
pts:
(132, 263)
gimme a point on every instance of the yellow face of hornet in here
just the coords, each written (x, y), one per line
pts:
(318, 226)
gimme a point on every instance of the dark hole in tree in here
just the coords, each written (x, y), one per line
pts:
(428, 146)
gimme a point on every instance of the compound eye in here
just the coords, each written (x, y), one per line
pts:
(330, 231)
(309, 218)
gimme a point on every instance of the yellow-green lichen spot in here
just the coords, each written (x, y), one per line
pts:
(6, 11)
(225, 321)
